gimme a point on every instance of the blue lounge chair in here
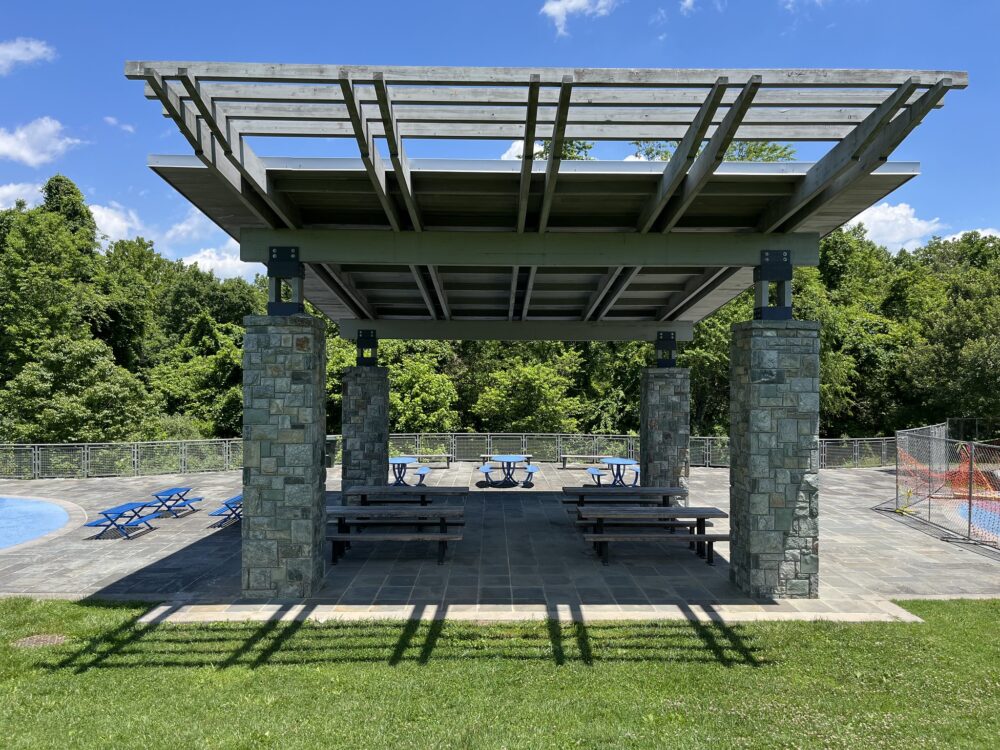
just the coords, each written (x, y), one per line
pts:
(596, 474)
(486, 469)
(529, 477)
(422, 472)
(229, 512)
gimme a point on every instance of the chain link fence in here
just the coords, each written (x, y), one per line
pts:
(953, 485)
(72, 461)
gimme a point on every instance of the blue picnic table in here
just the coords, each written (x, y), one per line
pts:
(617, 466)
(229, 512)
(172, 498)
(399, 465)
(508, 464)
(124, 517)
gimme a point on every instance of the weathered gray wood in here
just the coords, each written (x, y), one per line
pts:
(674, 511)
(714, 152)
(369, 154)
(396, 536)
(442, 295)
(532, 329)
(528, 288)
(617, 290)
(396, 153)
(527, 152)
(394, 511)
(555, 152)
(418, 277)
(693, 291)
(340, 282)
(592, 490)
(603, 286)
(503, 249)
(838, 160)
(877, 152)
(385, 490)
(487, 76)
(683, 156)
(631, 536)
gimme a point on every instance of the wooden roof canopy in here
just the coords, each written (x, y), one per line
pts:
(535, 248)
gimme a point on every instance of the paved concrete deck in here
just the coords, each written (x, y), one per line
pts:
(521, 558)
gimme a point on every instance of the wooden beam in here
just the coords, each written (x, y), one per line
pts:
(369, 153)
(694, 290)
(555, 151)
(603, 286)
(624, 279)
(528, 287)
(244, 159)
(442, 295)
(528, 152)
(505, 249)
(838, 160)
(506, 330)
(418, 277)
(341, 285)
(515, 273)
(877, 153)
(683, 157)
(711, 157)
(396, 154)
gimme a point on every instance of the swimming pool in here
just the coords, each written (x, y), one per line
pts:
(22, 520)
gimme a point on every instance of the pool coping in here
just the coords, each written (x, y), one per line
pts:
(77, 517)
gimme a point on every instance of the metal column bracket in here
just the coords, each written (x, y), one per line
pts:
(776, 266)
(367, 348)
(283, 265)
(666, 349)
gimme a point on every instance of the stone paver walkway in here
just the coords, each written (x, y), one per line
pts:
(521, 558)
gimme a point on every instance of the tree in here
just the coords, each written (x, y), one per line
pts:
(528, 398)
(765, 151)
(571, 150)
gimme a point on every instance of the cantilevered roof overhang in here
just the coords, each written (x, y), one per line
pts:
(538, 247)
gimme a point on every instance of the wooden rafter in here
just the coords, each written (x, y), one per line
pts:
(555, 151)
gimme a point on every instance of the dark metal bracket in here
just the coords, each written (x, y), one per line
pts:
(283, 265)
(666, 349)
(367, 347)
(775, 266)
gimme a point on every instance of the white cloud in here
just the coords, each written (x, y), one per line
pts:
(118, 222)
(635, 157)
(194, 226)
(793, 5)
(659, 16)
(37, 143)
(116, 123)
(897, 226)
(687, 7)
(21, 51)
(985, 231)
(12, 192)
(224, 261)
(516, 150)
(560, 10)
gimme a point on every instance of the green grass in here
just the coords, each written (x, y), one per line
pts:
(535, 685)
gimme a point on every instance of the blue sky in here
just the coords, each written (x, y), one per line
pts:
(66, 107)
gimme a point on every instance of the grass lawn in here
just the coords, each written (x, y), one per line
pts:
(533, 685)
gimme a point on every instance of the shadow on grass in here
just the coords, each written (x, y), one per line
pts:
(297, 642)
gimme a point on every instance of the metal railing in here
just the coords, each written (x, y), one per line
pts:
(953, 485)
(80, 460)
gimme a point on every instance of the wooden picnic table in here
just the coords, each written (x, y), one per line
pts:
(349, 521)
(600, 517)
(605, 494)
(417, 493)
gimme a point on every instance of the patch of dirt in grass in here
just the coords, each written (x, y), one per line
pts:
(37, 641)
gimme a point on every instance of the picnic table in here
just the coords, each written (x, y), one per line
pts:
(419, 493)
(399, 466)
(632, 495)
(599, 517)
(349, 524)
(617, 467)
(170, 499)
(124, 517)
(508, 463)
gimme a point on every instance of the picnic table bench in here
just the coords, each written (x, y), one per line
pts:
(348, 524)
(429, 457)
(124, 517)
(417, 493)
(589, 494)
(172, 498)
(602, 517)
(229, 512)
(526, 457)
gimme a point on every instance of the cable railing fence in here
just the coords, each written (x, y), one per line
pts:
(953, 485)
(81, 460)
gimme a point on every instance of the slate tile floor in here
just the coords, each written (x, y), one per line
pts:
(521, 554)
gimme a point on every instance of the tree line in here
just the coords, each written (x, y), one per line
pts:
(119, 343)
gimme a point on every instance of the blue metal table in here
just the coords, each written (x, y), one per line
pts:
(617, 466)
(508, 464)
(171, 498)
(399, 465)
(123, 517)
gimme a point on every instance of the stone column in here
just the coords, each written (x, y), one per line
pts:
(365, 413)
(284, 476)
(774, 458)
(665, 427)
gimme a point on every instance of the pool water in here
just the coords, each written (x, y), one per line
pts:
(23, 520)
